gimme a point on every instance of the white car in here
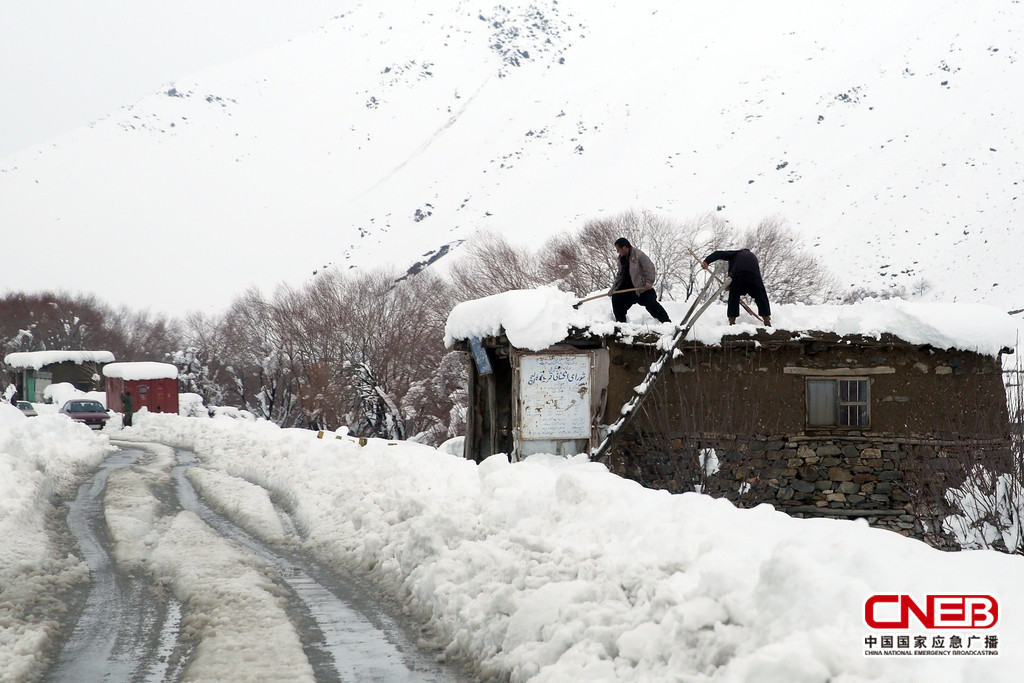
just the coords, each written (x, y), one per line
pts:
(27, 408)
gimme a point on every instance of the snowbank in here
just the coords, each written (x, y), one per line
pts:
(40, 457)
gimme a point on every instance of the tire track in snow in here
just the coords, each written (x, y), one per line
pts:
(122, 633)
(341, 642)
(144, 511)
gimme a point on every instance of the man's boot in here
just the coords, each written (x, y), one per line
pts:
(732, 321)
(767, 321)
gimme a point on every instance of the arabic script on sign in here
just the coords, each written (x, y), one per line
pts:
(554, 395)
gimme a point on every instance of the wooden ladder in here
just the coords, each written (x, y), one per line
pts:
(641, 391)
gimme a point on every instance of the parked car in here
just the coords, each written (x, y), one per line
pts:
(91, 413)
(27, 408)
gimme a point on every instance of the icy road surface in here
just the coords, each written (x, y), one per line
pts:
(180, 591)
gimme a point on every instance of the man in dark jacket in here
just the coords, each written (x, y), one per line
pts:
(636, 270)
(746, 279)
(129, 410)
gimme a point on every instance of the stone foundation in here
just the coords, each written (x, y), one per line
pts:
(894, 483)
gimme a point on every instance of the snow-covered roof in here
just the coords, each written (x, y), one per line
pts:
(141, 370)
(39, 359)
(535, 319)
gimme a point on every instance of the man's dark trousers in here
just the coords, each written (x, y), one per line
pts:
(745, 282)
(621, 303)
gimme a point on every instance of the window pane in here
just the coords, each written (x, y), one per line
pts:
(821, 402)
(853, 415)
(850, 390)
(853, 403)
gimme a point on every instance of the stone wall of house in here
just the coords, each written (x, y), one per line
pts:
(932, 414)
(894, 482)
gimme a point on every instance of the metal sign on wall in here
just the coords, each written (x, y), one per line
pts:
(554, 395)
(483, 363)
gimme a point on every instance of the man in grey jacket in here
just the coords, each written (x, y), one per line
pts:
(636, 270)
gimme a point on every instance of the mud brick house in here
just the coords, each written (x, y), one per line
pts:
(849, 421)
(816, 423)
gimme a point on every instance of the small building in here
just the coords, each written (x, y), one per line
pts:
(33, 371)
(151, 385)
(867, 410)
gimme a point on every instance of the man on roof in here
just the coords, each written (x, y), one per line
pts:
(745, 272)
(635, 283)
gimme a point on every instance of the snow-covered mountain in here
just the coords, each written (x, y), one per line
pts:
(887, 134)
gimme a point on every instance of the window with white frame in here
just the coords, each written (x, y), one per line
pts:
(838, 402)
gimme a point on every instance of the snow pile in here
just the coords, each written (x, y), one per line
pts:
(191, 405)
(141, 370)
(537, 318)
(62, 392)
(530, 318)
(553, 569)
(40, 458)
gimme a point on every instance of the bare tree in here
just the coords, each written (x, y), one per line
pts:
(261, 374)
(671, 245)
(374, 412)
(584, 261)
(490, 265)
(60, 321)
(201, 359)
(318, 342)
(699, 236)
(790, 273)
(435, 406)
(140, 335)
(367, 351)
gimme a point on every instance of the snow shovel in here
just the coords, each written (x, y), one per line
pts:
(601, 296)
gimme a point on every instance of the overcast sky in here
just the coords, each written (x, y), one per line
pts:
(67, 63)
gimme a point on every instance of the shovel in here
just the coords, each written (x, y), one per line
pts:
(601, 296)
